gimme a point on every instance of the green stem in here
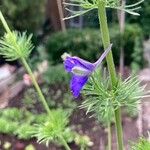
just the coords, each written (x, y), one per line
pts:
(111, 67)
(82, 147)
(109, 136)
(64, 143)
(4, 23)
(118, 121)
(42, 98)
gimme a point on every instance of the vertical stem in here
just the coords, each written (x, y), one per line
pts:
(106, 41)
(109, 136)
(119, 128)
(64, 143)
(82, 148)
(111, 67)
(42, 98)
(4, 23)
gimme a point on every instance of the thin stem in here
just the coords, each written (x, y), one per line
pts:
(109, 136)
(118, 122)
(64, 143)
(4, 23)
(106, 41)
(111, 67)
(82, 148)
(42, 98)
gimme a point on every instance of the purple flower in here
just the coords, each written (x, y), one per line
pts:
(81, 70)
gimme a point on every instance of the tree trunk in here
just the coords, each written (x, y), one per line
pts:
(54, 13)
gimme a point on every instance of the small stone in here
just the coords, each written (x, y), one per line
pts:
(20, 146)
(30, 147)
(7, 145)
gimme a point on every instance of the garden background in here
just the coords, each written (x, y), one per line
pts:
(19, 105)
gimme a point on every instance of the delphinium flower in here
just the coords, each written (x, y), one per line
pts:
(81, 70)
(81, 73)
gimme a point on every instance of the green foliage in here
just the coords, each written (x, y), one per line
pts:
(102, 101)
(133, 45)
(24, 14)
(56, 75)
(142, 144)
(57, 97)
(15, 45)
(17, 122)
(27, 125)
(143, 21)
(86, 44)
(30, 99)
(24, 131)
(39, 55)
(53, 128)
(137, 56)
(56, 128)
(145, 15)
(88, 5)
(7, 127)
(12, 114)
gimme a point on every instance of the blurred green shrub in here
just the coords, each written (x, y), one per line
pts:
(133, 46)
(145, 18)
(23, 14)
(142, 144)
(56, 74)
(143, 21)
(86, 43)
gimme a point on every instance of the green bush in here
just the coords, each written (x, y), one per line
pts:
(7, 127)
(87, 44)
(133, 46)
(56, 74)
(26, 128)
(23, 14)
(143, 21)
(83, 43)
(142, 144)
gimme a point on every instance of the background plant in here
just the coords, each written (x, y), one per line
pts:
(142, 144)
(101, 6)
(26, 123)
(86, 44)
(24, 14)
(15, 45)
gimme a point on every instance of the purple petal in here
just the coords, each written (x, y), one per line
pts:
(83, 63)
(71, 62)
(79, 71)
(77, 83)
(99, 61)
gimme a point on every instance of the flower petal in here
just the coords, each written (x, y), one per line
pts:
(79, 71)
(71, 62)
(77, 83)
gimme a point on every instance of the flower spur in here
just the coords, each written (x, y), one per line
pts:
(81, 70)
